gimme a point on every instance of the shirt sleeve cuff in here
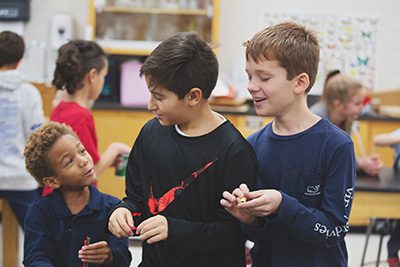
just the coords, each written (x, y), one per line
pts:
(287, 210)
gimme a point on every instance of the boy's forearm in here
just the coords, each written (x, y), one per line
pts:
(386, 140)
(120, 254)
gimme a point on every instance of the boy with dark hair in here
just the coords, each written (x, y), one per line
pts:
(69, 226)
(20, 113)
(299, 214)
(181, 163)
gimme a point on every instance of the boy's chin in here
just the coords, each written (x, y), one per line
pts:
(165, 123)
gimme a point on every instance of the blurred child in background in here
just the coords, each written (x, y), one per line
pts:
(20, 113)
(341, 103)
(393, 246)
(80, 70)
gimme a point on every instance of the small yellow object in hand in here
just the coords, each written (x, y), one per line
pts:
(243, 199)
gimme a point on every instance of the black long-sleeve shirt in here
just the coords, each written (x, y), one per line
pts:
(182, 178)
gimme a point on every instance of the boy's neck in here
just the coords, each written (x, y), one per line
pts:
(76, 200)
(296, 120)
(9, 67)
(202, 121)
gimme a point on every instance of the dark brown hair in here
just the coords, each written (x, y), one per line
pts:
(180, 63)
(75, 60)
(12, 48)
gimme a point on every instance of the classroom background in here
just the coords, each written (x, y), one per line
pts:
(119, 114)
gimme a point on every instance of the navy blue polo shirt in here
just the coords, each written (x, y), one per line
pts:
(53, 235)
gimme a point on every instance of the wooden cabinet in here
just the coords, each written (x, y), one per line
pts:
(368, 130)
(136, 27)
(117, 126)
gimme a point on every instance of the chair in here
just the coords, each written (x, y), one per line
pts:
(381, 227)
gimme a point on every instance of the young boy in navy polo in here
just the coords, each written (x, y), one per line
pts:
(69, 227)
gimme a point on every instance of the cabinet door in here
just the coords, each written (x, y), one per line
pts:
(117, 126)
(364, 142)
(378, 127)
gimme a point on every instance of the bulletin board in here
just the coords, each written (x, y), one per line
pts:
(348, 43)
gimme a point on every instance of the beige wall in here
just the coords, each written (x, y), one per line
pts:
(239, 20)
(38, 29)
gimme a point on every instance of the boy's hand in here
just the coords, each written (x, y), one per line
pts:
(98, 253)
(230, 203)
(154, 229)
(371, 164)
(118, 149)
(120, 223)
(262, 203)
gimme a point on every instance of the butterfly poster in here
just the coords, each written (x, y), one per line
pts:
(348, 43)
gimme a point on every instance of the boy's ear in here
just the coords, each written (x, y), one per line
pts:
(336, 103)
(194, 96)
(302, 83)
(51, 182)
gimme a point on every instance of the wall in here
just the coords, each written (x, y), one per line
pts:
(239, 20)
(38, 29)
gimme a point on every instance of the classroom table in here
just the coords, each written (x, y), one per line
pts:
(376, 197)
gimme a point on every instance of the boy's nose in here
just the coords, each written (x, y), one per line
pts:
(252, 87)
(84, 161)
(151, 106)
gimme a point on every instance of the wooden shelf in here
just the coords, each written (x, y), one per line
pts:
(166, 11)
(127, 47)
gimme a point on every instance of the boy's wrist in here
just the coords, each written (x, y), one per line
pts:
(110, 258)
(255, 222)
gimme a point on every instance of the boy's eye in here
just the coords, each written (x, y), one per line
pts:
(158, 97)
(264, 79)
(82, 151)
(68, 162)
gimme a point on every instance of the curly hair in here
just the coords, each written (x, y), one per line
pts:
(38, 146)
(12, 48)
(75, 59)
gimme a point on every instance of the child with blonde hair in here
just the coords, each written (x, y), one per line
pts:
(341, 103)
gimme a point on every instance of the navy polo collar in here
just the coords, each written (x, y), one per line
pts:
(63, 211)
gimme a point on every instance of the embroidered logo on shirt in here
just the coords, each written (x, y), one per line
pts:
(313, 190)
(157, 205)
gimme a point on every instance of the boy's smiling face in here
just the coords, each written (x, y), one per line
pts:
(71, 163)
(269, 87)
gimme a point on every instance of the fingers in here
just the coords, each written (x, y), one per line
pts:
(239, 195)
(154, 229)
(95, 253)
(121, 223)
(374, 156)
(227, 204)
(245, 189)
